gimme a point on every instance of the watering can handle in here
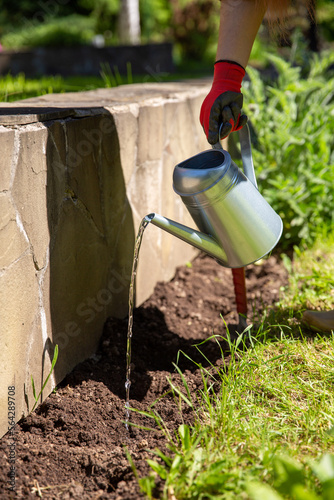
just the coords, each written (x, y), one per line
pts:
(246, 153)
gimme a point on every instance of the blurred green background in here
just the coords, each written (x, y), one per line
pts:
(191, 25)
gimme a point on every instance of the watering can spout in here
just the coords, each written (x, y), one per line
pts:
(197, 239)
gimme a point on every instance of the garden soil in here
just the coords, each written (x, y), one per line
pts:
(73, 444)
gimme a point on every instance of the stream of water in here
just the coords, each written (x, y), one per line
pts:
(146, 220)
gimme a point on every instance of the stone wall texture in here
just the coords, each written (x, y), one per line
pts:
(78, 172)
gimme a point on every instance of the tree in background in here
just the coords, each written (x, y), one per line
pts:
(117, 18)
(129, 22)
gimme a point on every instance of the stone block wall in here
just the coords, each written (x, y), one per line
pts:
(78, 172)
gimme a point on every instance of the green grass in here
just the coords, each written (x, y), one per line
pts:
(15, 88)
(263, 423)
(311, 276)
(277, 400)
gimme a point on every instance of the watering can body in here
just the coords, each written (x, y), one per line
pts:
(236, 224)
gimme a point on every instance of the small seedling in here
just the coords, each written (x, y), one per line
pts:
(36, 397)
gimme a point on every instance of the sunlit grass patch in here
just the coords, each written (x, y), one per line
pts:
(13, 88)
(311, 276)
(290, 390)
(273, 398)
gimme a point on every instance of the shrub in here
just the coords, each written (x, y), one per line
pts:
(65, 31)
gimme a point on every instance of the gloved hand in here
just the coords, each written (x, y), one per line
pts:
(221, 109)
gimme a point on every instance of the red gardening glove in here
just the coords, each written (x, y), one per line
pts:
(221, 109)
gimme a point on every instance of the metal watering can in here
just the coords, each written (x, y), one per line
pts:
(237, 226)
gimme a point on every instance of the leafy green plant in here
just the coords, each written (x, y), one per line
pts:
(292, 121)
(293, 481)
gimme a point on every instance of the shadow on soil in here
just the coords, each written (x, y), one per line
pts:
(155, 347)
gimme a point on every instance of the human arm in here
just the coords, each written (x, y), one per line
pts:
(240, 21)
(221, 110)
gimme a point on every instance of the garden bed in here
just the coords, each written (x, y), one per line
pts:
(72, 445)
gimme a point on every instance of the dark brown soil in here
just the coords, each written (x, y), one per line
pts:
(72, 445)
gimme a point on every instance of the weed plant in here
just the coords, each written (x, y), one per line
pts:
(39, 395)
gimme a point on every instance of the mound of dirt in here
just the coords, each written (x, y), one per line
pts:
(72, 446)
